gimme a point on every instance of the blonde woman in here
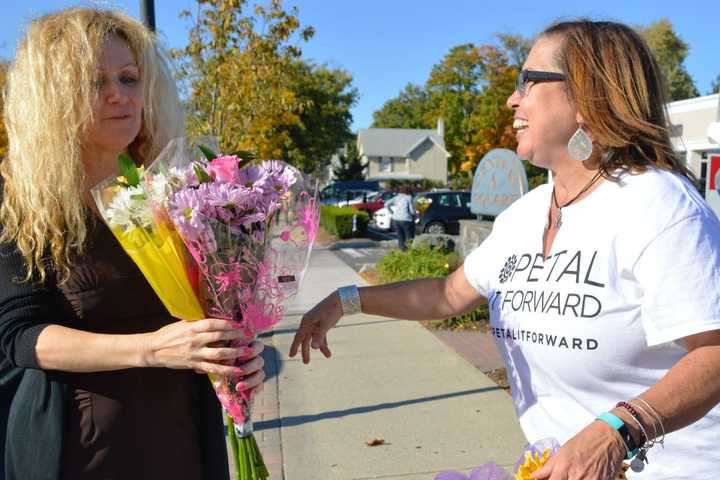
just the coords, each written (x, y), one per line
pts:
(96, 379)
(604, 288)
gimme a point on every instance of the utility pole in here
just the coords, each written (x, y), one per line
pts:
(147, 12)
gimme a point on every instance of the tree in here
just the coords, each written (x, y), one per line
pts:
(411, 109)
(670, 51)
(3, 132)
(715, 86)
(239, 75)
(468, 88)
(516, 48)
(324, 120)
(350, 165)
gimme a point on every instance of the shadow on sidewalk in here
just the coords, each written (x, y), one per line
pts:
(273, 361)
(302, 419)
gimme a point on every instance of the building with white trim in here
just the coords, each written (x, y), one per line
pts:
(404, 153)
(690, 124)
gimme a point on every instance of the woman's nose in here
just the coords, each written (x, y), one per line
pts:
(513, 100)
(114, 92)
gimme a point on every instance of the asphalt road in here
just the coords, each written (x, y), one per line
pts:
(358, 252)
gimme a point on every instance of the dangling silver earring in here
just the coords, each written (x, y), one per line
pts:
(580, 145)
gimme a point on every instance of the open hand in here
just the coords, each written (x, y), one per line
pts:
(314, 327)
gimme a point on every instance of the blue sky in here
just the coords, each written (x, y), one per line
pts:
(386, 44)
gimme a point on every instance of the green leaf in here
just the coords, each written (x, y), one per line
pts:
(202, 175)
(246, 158)
(209, 154)
(129, 170)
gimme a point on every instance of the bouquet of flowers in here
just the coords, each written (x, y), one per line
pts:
(534, 457)
(243, 228)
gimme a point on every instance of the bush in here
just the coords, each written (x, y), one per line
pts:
(338, 221)
(416, 263)
(435, 241)
(426, 263)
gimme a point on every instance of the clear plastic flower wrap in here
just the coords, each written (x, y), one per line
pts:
(245, 230)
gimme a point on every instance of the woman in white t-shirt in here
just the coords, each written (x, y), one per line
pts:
(604, 288)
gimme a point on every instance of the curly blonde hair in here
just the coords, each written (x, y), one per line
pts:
(48, 110)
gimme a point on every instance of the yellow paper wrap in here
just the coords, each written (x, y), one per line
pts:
(159, 253)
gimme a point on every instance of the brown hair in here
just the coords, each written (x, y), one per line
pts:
(617, 86)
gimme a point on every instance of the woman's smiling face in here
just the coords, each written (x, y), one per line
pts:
(544, 117)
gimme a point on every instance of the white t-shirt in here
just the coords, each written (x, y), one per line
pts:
(634, 267)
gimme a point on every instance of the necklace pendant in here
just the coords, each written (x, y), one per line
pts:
(558, 220)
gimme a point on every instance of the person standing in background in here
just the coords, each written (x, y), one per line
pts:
(402, 215)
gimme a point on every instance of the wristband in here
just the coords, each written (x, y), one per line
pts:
(349, 299)
(618, 425)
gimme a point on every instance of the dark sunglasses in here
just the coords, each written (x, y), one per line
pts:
(535, 76)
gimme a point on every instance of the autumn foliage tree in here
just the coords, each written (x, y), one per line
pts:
(468, 89)
(670, 51)
(239, 90)
(248, 86)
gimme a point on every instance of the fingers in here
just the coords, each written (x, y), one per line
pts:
(325, 349)
(251, 381)
(218, 369)
(249, 368)
(212, 325)
(298, 338)
(544, 472)
(309, 336)
(306, 349)
(256, 347)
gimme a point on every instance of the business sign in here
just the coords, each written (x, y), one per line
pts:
(499, 180)
(712, 183)
(714, 166)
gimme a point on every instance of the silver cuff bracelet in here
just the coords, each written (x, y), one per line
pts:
(349, 299)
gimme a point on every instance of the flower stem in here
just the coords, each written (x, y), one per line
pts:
(233, 444)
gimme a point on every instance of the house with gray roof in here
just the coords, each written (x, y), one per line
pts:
(403, 153)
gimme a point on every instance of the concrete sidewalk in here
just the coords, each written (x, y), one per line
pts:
(388, 380)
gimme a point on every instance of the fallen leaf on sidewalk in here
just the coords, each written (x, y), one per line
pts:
(376, 442)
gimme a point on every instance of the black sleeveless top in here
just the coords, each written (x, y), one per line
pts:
(140, 423)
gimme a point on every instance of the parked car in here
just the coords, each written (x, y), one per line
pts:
(381, 219)
(338, 191)
(351, 198)
(440, 211)
(371, 203)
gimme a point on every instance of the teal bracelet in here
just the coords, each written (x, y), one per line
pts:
(618, 425)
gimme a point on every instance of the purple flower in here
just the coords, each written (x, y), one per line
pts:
(184, 207)
(280, 176)
(253, 178)
(488, 471)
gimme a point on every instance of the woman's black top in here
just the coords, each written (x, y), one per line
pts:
(139, 423)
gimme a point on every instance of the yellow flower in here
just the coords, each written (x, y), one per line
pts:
(532, 464)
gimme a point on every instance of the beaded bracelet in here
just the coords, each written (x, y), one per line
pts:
(636, 418)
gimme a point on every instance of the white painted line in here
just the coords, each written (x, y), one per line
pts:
(353, 252)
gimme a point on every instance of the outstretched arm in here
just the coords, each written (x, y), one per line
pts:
(423, 299)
